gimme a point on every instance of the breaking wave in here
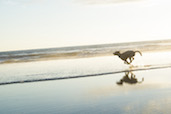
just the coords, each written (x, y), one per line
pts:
(80, 51)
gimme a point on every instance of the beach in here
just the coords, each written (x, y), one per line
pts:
(77, 68)
(94, 81)
(91, 95)
(88, 85)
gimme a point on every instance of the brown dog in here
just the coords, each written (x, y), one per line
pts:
(127, 55)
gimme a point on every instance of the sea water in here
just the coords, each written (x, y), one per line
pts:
(80, 51)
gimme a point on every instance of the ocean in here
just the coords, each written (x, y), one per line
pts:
(80, 51)
(25, 66)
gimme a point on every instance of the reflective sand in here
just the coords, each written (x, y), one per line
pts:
(91, 95)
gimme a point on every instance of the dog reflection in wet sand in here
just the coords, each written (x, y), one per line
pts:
(129, 78)
(127, 55)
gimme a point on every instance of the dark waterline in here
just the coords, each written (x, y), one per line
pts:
(84, 76)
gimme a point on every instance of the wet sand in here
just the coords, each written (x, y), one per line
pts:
(77, 68)
(100, 94)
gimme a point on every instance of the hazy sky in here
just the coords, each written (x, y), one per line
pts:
(29, 24)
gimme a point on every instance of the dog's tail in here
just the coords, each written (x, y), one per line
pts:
(139, 52)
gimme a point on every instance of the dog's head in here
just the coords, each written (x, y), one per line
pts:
(116, 53)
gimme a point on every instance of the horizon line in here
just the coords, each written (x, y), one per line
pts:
(88, 45)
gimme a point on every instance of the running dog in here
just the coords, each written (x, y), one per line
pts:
(127, 55)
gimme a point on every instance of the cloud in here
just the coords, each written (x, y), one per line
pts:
(104, 1)
(22, 2)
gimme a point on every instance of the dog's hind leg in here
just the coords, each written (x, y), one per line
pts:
(130, 59)
(127, 62)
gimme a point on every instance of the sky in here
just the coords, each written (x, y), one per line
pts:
(32, 24)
